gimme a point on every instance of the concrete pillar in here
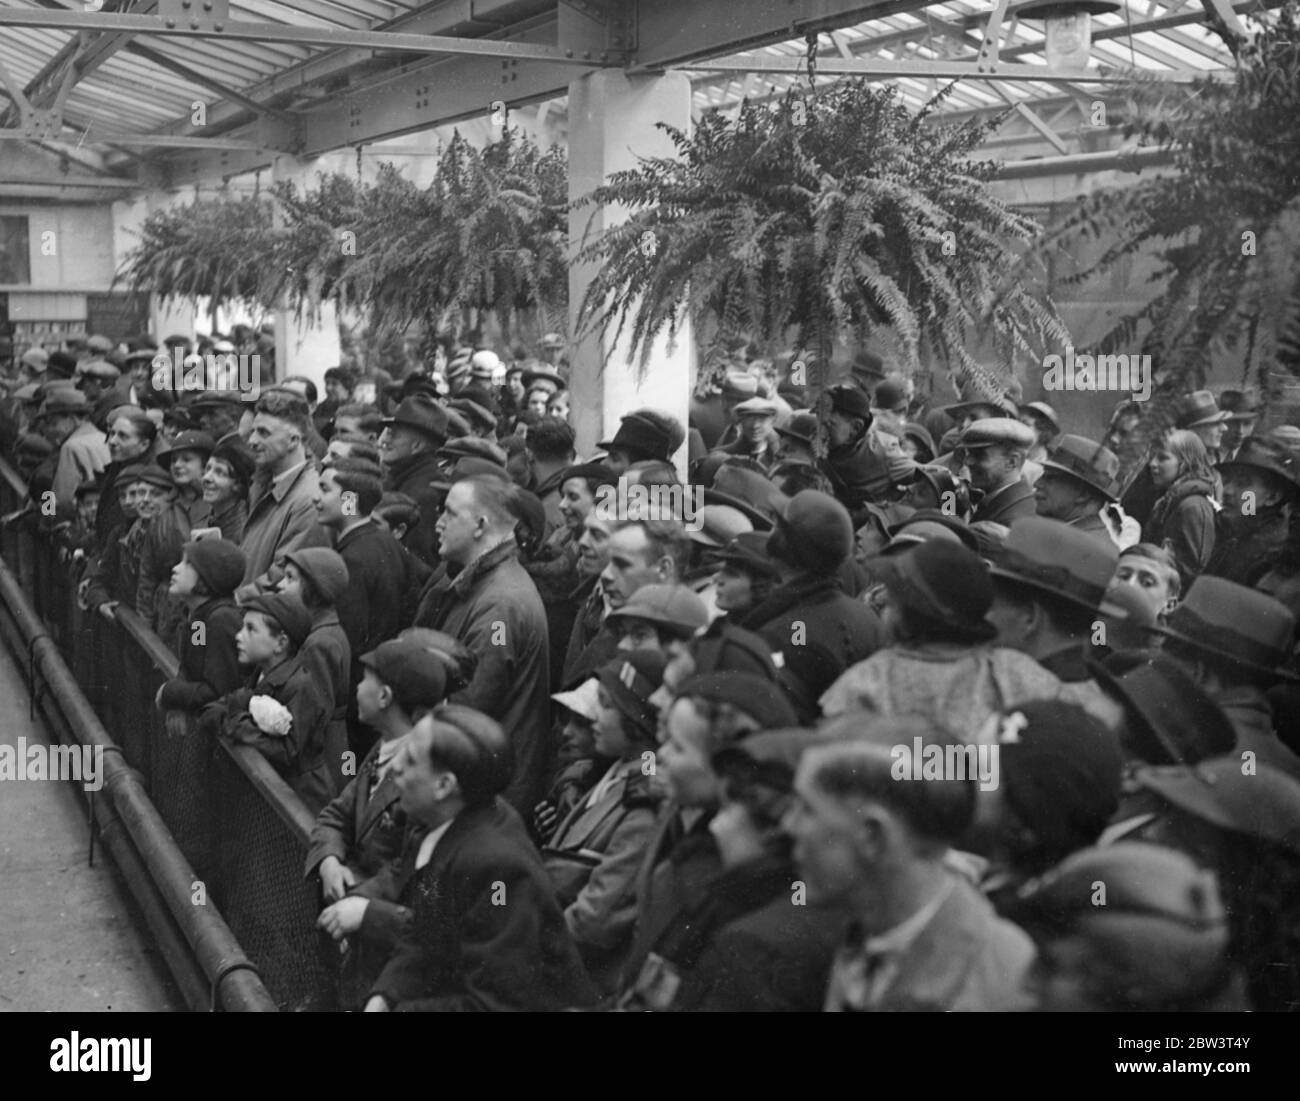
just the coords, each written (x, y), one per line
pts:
(612, 121)
(128, 216)
(304, 346)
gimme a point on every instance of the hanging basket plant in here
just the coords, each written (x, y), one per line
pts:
(212, 248)
(838, 217)
(1224, 225)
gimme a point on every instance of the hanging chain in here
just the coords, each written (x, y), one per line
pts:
(812, 62)
(358, 164)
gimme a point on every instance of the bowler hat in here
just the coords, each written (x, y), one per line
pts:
(423, 414)
(997, 432)
(748, 552)
(1171, 720)
(417, 677)
(1271, 457)
(814, 533)
(324, 568)
(1264, 804)
(673, 607)
(287, 609)
(630, 680)
(1198, 408)
(890, 396)
(1234, 624)
(801, 427)
(218, 562)
(1085, 461)
(187, 441)
(1050, 557)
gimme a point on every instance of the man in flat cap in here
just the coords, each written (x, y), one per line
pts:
(756, 438)
(83, 451)
(994, 451)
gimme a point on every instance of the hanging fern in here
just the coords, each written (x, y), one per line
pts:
(1224, 226)
(838, 216)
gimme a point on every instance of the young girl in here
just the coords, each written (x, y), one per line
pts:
(597, 850)
(1183, 516)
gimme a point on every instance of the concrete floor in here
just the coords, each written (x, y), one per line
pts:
(70, 937)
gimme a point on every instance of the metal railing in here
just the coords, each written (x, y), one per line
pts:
(220, 834)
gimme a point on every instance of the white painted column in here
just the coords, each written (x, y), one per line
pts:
(612, 121)
(304, 346)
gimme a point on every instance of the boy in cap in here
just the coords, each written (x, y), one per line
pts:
(756, 438)
(318, 576)
(357, 839)
(595, 852)
(283, 713)
(204, 582)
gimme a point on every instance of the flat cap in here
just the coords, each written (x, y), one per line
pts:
(997, 432)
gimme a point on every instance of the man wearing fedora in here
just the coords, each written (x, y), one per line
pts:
(1238, 643)
(1079, 486)
(83, 451)
(1198, 412)
(994, 451)
(1049, 592)
(1260, 489)
(408, 448)
(1242, 407)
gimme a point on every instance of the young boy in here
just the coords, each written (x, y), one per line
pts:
(283, 713)
(204, 581)
(318, 577)
(359, 835)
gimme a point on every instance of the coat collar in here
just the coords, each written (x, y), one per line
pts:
(483, 565)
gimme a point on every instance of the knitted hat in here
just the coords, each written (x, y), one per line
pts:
(815, 534)
(1059, 769)
(324, 568)
(218, 562)
(287, 610)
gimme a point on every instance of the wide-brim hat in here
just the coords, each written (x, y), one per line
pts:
(719, 524)
(1264, 804)
(1232, 623)
(1241, 405)
(1050, 557)
(1198, 408)
(1179, 723)
(1268, 456)
(1087, 462)
(423, 414)
(748, 551)
(945, 582)
(750, 492)
(1042, 409)
(187, 441)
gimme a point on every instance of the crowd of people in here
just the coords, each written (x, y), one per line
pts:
(892, 704)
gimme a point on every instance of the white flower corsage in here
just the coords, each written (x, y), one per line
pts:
(271, 716)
